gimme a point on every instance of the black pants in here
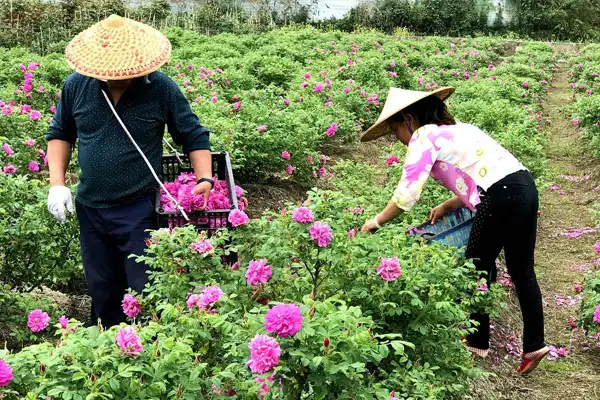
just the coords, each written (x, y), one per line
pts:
(108, 237)
(507, 218)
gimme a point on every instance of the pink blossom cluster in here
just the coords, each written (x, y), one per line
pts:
(392, 159)
(321, 234)
(258, 272)
(284, 320)
(206, 299)
(202, 246)
(129, 342)
(38, 320)
(131, 305)
(567, 301)
(6, 373)
(303, 215)
(264, 354)
(389, 269)
(556, 353)
(597, 315)
(332, 129)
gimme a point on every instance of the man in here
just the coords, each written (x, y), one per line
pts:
(116, 190)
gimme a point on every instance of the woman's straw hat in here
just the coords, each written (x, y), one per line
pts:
(118, 48)
(397, 100)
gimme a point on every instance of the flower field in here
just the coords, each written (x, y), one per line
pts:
(312, 308)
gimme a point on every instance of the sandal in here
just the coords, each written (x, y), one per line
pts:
(531, 360)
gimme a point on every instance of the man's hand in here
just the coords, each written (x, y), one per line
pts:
(437, 213)
(204, 189)
(59, 198)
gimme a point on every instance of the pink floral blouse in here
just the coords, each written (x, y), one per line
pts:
(461, 157)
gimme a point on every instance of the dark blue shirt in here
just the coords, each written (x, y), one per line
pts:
(112, 171)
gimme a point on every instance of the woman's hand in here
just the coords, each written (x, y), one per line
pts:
(369, 226)
(437, 213)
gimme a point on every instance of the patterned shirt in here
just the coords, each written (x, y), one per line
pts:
(461, 157)
(112, 171)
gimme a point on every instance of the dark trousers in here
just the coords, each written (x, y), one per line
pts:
(108, 236)
(507, 218)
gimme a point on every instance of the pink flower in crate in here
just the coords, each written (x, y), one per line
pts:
(238, 218)
(391, 160)
(33, 166)
(264, 354)
(303, 215)
(321, 234)
(129, 342)
(597, 247)
(7, 149)
(9, 169)
(597, 315)
(285, 155)
(29, 143)
(131, 306)
(6, 374)
(258, 272)
(202, 246)
(63, 321)
(37, 320)
(284, 320)
(389, 269)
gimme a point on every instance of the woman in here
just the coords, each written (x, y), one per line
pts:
(483, 176)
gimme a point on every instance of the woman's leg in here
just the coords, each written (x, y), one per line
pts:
(485, 243)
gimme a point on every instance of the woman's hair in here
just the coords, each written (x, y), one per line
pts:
(430, 110)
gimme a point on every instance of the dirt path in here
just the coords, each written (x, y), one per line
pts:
(577, 375)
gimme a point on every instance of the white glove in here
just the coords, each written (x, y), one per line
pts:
(59, 198)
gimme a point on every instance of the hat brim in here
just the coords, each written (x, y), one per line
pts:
(382, 128)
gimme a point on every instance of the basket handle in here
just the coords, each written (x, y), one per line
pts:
(144, 157)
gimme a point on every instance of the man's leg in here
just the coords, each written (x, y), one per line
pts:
(102, 267)
(132, 224)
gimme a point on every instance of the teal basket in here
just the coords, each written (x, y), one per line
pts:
(453, 229)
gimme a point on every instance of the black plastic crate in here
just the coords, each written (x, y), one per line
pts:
(208, 220)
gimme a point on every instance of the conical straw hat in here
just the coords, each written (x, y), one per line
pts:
(397, 100)
(118, 48)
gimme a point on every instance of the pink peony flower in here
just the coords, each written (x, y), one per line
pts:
(494, 78)
(205, 300)
(285, 155)
(214, 99)
(5, 373)
(597, 315)
(35, 115)
(6, 110)
(525, 84)
(286, 102)
(22, 68)
(389, 269)
(7, 149)
(9, 169)
(33, 66)
(131, 306)
(33, 166)
(576, 122)
(321, 234)
(235, 266)
(63, 321)
(391, 160)
(238, 218)
(25, 108)
(303, 85)
(37, 320)
(129, 342)
(284, 320)
(303, 215)
(258, 272)
(262, 128)
(202, 246)
(236, 106)
(289, 170)
(352, 233)
(318, 87)
(482, 286)
(264, 354)
(29, 143)
(597, 247)
(332, 129)
(307, 75)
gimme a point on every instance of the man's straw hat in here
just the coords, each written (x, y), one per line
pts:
(397, 100)
(118, 48)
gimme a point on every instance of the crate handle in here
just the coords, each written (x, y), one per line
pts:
(144, 157)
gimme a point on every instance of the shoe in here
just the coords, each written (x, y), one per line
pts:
(531, 360)
(478, 352)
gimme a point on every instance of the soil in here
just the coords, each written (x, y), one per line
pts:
(577, 375)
